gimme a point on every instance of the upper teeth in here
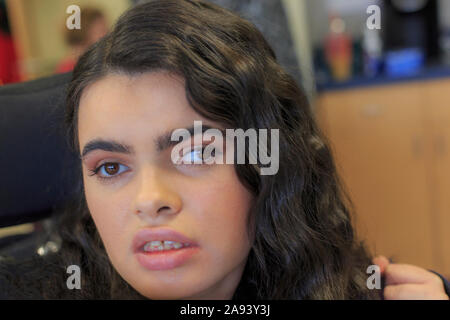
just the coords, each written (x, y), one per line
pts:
(162, 245)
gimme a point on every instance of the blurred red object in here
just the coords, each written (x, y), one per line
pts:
(9, 71)
(66, 65)
(338, 49)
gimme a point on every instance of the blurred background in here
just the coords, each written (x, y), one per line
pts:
(378, 82)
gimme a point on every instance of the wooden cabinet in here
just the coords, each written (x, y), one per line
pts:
(437, 104)
(392, 149)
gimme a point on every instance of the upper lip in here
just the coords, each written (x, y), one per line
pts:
(159, 234)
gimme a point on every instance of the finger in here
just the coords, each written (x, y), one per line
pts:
(381, 261)
(405, 273)
(412, 292)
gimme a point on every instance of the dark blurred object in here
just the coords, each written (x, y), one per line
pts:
(4, 22)
(411, 24)
(444, 43)
(37, 168)
(444, 30)
(321, 69)
(9, 71)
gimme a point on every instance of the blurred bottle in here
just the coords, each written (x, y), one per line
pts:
(373, 52)
(338, 49)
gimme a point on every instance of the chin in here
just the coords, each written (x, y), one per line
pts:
(169, 295)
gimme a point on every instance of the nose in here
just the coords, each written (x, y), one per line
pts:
(154, 197)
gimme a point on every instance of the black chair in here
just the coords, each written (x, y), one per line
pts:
(37, 168)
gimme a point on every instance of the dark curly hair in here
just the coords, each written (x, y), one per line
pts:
(305, 246)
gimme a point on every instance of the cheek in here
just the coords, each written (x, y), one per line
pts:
(108, 213)
(221, 210)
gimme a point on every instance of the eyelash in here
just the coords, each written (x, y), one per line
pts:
(96, 170)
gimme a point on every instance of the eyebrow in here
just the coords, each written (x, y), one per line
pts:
(162, 143)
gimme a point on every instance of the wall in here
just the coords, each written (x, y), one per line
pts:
(44, 21)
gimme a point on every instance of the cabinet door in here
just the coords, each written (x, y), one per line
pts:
(380, 147)
(438, 97)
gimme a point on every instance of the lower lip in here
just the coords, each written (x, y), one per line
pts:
(165, 260)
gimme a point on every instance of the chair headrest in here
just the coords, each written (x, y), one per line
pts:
(38, 171)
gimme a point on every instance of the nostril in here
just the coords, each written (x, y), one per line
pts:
(163, 208)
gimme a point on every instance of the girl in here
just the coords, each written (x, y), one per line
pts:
(146, 226)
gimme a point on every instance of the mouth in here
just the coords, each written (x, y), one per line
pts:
(162, 249)
(166, 245)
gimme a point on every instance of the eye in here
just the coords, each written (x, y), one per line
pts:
(196, 156)
(193, 156)
(108, 170)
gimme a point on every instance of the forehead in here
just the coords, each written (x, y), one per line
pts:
(122, 106)
(125, 96)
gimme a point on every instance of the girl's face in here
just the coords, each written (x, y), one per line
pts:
(143, 191)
